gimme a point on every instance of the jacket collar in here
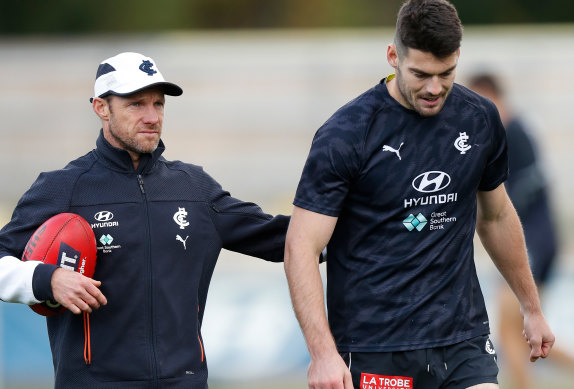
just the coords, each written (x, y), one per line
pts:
(119, 159)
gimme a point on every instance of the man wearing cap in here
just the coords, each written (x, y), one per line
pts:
(159, 226)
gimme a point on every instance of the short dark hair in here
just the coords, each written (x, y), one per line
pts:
(432, 26)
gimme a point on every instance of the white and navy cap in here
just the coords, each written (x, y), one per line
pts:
(128, 73)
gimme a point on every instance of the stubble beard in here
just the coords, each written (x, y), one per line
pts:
(131, 144)
(411, 99)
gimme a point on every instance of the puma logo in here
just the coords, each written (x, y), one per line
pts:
(393, 150)
(179, 238)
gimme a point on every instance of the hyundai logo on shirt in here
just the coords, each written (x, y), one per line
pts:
(104, 218)
(432, 181)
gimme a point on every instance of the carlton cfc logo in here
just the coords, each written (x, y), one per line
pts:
(432, 181)
(146, 67)
(180, 217)
(460, 143)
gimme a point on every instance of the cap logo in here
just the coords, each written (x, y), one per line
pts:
(146, 67)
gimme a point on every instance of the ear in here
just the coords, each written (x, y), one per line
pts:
(101, 108)
(392, 56)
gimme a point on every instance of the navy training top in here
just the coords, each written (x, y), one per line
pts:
(400, 270)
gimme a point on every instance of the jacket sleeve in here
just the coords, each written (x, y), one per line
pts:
(16, 280)
(243, 227)
(30, 282)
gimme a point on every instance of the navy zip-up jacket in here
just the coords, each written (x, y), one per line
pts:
(159, 231)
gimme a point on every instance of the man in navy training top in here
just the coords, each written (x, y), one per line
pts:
(396, 183)
(156, 257)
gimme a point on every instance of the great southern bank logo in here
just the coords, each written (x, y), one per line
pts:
(106, 239)
(107, 247)
(415, 222)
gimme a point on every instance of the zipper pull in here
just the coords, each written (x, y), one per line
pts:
(140, 181)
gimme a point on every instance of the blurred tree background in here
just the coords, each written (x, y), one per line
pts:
(113, 16)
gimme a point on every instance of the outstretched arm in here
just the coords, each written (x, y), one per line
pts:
(307, 236)
(501, 234)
